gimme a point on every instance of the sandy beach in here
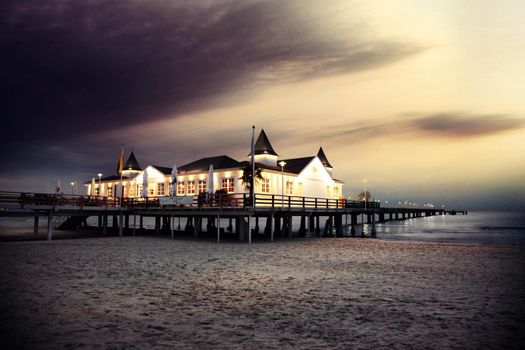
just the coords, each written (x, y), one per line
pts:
(154, 292)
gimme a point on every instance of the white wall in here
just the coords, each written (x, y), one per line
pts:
(315, 179)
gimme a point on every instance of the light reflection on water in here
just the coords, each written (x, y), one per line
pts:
(476, 227)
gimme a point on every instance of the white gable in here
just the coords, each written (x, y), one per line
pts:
(315, 179)
(315, 171)
(153, 175)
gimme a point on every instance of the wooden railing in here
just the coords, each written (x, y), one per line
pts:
(203, 200)
(25, 199)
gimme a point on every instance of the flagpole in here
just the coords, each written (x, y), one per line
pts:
(252, 187)
(121, 191)
(253, 167)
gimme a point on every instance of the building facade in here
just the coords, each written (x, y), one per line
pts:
(306, 177)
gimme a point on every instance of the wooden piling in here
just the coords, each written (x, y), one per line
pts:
(353, 222)
(35, 226)
(373, 233)
(50, 226)
(197, 226)
(302, 226)
(172, 226)
(218, 228)
(104, 225)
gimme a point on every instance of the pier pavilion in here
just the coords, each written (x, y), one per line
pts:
(310, 176)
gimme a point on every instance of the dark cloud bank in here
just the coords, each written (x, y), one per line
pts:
(71, 69)
(446, 124)
(93, 65)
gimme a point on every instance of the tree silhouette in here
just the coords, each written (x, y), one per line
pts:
(246, 177)
(365, 196)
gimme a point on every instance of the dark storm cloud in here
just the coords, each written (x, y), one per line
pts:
(79, 66)
(465, 125)
(447, 124)
(74, 69)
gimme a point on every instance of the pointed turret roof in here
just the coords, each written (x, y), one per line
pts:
(323, 159)
(131, 163)
(263, 145)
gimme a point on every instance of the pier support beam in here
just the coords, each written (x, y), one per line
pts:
(311, 225)
(35, 226)
(114, 223)
(121, 224)
(362, 226)
(256, 229)
(338, 218)
(126, 223)
(277, 221)
(373, 233)
(241, 227)
(302, 227)
(189, 224)
(289, 227)
(157, 225)
(50, 226)
(353, 222)
(172, 226)
(218, 228)
(104, 225)
(198, 226)
(271, 227)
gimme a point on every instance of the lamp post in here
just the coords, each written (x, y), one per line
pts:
(72, 183)
(282, 163)
(99, 184)
(365, 196)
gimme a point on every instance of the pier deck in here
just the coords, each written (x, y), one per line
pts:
(277, 212)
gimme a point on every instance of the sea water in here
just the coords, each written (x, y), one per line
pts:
(476, 227)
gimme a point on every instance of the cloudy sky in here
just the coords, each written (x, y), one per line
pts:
(423, 99)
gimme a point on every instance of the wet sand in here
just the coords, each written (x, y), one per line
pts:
(153, 292)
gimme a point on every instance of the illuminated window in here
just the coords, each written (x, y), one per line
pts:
(97, 191)
(300, 188)
(328, 191)
(265, 186)
(289, 187)
(180, 188)
(151, 190)
(160, 189)
(227, 184)
(336, 191)
(202, 186)
(110, 191)
(191, 187)
(139, 190)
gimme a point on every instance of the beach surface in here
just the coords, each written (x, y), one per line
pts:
(154, 292)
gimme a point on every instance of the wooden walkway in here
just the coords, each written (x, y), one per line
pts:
(317, 216)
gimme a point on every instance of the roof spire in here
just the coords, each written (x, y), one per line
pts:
(132, 163)
(323, 159)
(263, 145)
